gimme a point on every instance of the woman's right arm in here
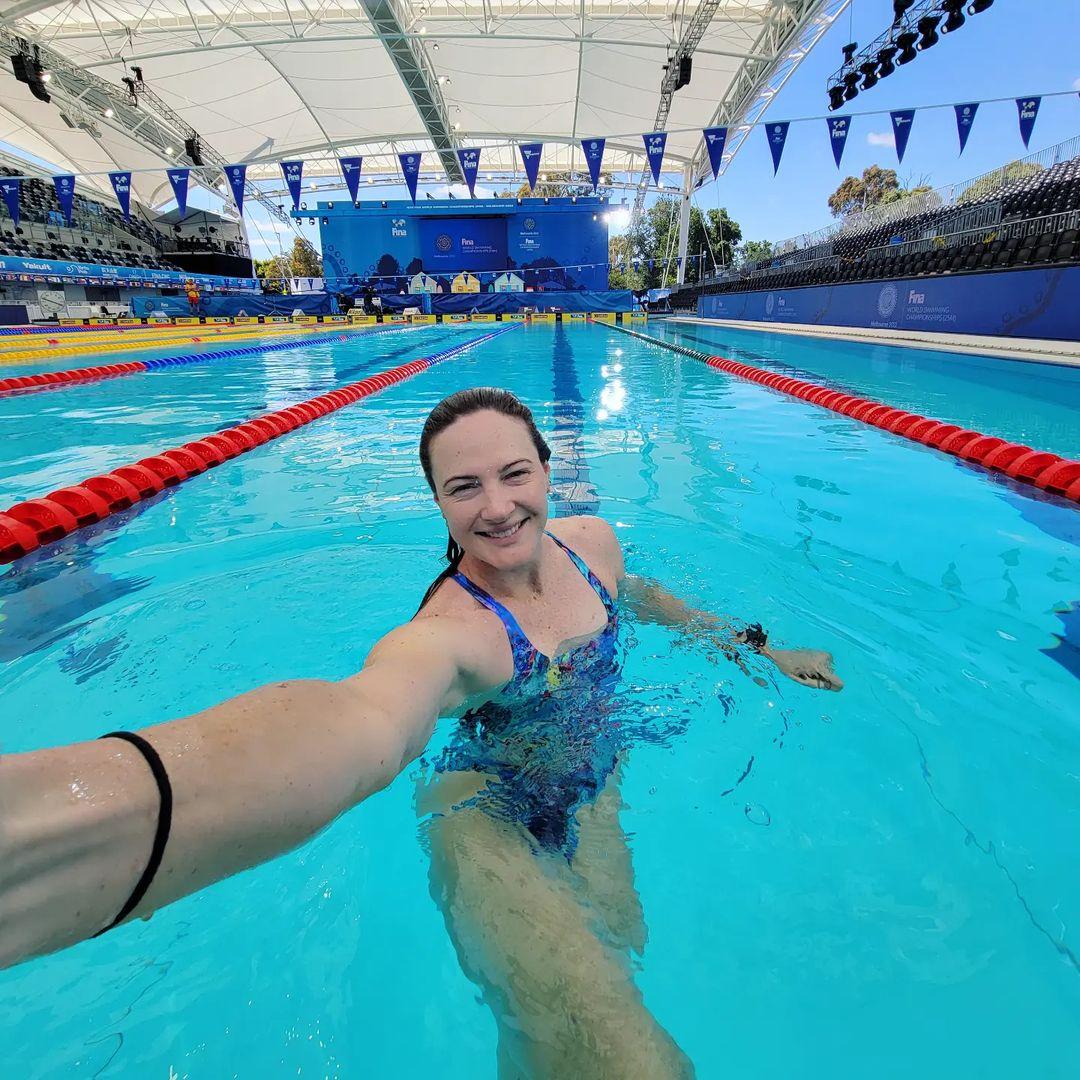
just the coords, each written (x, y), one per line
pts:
(251, 778)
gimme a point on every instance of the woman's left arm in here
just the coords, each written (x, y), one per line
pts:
(651, 602)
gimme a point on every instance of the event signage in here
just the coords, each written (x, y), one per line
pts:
(121, 182)
(654, 151)
(594, 157)
(777, 132)
(715, 138)
(65, 192)
(530, 158)
(901, 124)
(838, 133)
(350, 169)
(1027, 110)
(410, 167)
(470, 166)
(179, 180)
(236, 175)
(17, 268)
(965, 118)
(10, 189)
(294, 177)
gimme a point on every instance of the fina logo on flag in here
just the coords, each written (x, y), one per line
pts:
(656, 143)
(1027, 110)
(292, 171)
(839, 130)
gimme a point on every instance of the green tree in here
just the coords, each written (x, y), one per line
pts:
(754, 251)
(857, 193)
(988, 184)
(273, 272)
(558, 185)
(304, 260)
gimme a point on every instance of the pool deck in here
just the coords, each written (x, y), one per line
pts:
(1036, 350)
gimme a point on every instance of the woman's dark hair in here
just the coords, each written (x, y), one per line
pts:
(464, 403)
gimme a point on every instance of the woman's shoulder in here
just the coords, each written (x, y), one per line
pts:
(596, 542)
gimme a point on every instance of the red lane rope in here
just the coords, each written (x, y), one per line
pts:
(28, 525)
(1050, 472)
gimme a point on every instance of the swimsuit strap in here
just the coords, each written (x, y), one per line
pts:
(593, 580)
(525, 653)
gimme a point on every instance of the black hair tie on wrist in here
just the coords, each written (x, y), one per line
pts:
(164, 823)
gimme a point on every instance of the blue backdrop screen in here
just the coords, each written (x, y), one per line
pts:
(448, 245)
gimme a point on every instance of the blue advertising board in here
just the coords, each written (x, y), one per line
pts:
(1011, 303)
(13, 268)
(550, 244)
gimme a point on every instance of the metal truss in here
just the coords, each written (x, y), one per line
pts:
(390, 19)
(794, 28)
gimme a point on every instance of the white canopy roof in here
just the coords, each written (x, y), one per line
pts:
(266, 80)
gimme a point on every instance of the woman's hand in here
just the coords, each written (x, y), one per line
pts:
(810, 667)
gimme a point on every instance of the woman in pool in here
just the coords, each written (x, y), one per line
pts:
(518, 636)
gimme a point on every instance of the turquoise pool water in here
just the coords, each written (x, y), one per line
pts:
(878, 882)
(1034, 404)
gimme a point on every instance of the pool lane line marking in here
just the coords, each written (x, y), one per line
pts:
(1049, 472)
(53, 380)
(45, 354)
(29, 525)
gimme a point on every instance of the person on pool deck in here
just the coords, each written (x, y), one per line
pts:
(517, 637)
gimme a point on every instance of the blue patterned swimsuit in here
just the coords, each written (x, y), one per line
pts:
(548, 739)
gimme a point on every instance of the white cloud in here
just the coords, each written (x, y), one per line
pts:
(880, 138)
(1076, 84)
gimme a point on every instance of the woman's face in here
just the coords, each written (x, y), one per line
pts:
(491, 488)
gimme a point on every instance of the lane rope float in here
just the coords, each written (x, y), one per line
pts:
(1049, 472)
(52, 380)
(29, 525)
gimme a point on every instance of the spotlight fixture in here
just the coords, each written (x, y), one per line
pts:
(954, 15)
(977, 7)
(901, 8)
(851, 85)
(329, 206)
(26, 67)
(849, 51)
(928, 25)
(383, 204)
(869, 72)
(906, 43)
(169, 151)
(193, 149)
(108, 114)
(836, 97)
(46, 76)
(885, 61)
(303, 206)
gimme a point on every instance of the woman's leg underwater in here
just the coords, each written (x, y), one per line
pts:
(565, 1002)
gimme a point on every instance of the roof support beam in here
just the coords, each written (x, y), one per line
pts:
(390, 19)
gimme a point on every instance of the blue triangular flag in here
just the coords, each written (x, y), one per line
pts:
(530, 157)
(179, 180)
(654, 151)
(10, 188)
(594, 156)
(294, 177)
(236, 174)
(965, 117)
(1027, 109)
(410, 167)
(715, 138)
(350, 169)
(470, 166)
(65, 193)
(777, 132)
(838, 133)
(902, 120)
(121, 182)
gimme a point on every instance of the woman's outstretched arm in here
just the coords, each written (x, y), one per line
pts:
(250, 779)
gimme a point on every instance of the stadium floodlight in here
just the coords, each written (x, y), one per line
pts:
(906, 42)
(928, 25)
(954, 15)
(869, 71)
(836, 97)
(885, 61)
(977, 7)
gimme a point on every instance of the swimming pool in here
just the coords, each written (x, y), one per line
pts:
(868, 883)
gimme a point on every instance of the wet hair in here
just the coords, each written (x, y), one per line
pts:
(465, 403)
